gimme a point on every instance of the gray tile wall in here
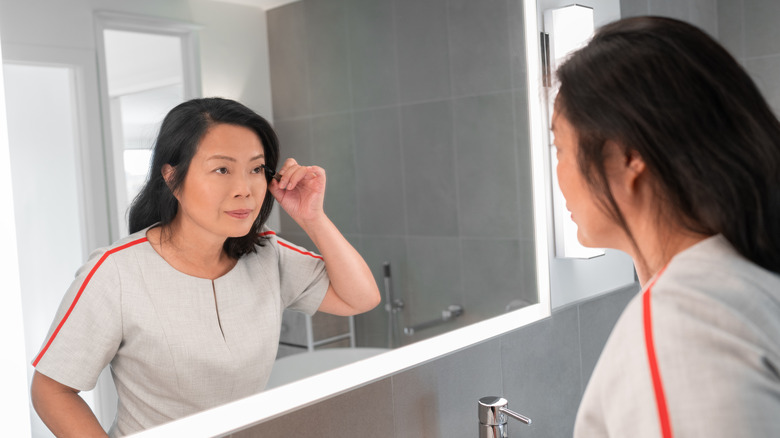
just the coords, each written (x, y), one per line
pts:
(702, 13)
(542, 369)
(750, 31)
(417, 111)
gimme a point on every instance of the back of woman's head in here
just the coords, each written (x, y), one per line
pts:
(669, 92)
(180, 134)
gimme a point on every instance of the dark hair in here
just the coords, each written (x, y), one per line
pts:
(180, 135)
(665, 89)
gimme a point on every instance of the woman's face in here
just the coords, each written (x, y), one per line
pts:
(594, 227)
(225, 184)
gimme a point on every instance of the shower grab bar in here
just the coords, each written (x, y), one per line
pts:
(451, 312)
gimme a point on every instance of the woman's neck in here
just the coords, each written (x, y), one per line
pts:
(190, 252)
(656, 249)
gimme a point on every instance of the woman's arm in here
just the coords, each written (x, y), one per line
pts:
(301, 192)
(63, 411)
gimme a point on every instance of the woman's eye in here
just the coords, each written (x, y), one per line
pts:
(258, 169)
(221, 170)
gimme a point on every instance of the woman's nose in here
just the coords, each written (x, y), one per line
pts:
(242, 187)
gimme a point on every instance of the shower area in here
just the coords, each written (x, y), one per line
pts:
(417, 110)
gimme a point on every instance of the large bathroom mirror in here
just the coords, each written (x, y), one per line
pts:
(428, 116)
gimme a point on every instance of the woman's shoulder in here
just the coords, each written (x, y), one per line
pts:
(712, 270)
(271, 243)
(710, 289)
(123, 246)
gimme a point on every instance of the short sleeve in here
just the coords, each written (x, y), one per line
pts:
(87, 329)
(303, 277)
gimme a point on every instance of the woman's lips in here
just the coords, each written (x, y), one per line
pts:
(239, 214)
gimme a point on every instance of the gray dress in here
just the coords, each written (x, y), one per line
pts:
(716, 329)
(177, 344)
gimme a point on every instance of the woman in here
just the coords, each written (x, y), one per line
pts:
(668, 152)
(187, 309)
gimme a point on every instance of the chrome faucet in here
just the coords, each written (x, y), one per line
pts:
(492, 412)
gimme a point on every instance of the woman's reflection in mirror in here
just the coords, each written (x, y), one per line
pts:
(187, 309)
(668, 151)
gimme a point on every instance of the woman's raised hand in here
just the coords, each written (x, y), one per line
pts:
(300, 191)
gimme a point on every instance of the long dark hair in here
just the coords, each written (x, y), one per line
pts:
(665, 89)
(180, 134)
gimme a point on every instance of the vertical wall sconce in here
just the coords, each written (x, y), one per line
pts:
(565, 30)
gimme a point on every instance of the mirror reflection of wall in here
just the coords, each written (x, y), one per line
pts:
(418, 111)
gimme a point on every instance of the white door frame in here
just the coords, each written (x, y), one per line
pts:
(15, 400)
(91, 159)
(188, 34)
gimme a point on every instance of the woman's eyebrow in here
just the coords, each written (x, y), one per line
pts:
(227, 158)
(221, 157)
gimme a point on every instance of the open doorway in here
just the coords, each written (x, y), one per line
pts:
(148, 67)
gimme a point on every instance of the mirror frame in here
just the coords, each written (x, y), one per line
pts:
(284, 399)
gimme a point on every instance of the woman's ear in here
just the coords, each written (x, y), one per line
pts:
(635, 167)
(624, 167)
(167, 173)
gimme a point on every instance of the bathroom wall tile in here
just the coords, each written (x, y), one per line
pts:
(372, 327)
(632, 8)
(731, 26)
(439, 399)
(525, 190)
(766, 73)
(372, 53)
(333, 149)
(669, 8)
(704, 14)
(517, 42)
(434, 279)
(541, 374)
(497, 275)
(379, 174)
(423, 49)
(479, 45)
(429, 169)
(294, 141)
(529, 292)
(761, 30)
(288, 63)
(327, 54)
(597, 318)
(360, 413)
(487, 177)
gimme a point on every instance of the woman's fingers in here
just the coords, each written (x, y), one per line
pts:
(293, 173)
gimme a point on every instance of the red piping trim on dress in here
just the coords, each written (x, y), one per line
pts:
(78, 295)
(308, 253)
(658, 388)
